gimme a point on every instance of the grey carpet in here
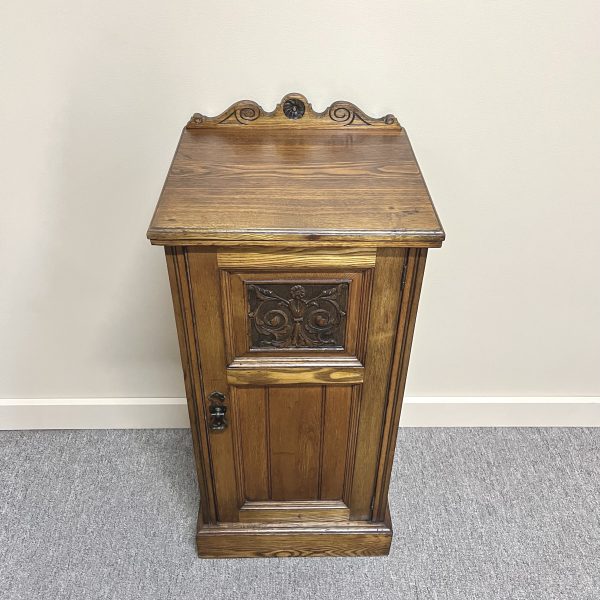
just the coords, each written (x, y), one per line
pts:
(478, 513)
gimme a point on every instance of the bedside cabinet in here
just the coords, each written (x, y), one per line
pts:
(296, 244)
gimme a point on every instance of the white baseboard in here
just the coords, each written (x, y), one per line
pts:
(501, 412)
(93, 413)
(157, 413)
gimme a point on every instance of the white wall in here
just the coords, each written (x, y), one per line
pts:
(500, 100)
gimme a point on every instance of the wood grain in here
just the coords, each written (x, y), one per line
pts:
(294, 539)
(336, 432)
(295, 437)
(295, 186)
(180, 292)
(296, 258)
(295, 375)
(203, 277)
(292, 512)
(262, 361)
(383, 324)
(296, 544)
(252, 412)
(408, 315)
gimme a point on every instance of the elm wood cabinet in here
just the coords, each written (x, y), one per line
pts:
(296, 244)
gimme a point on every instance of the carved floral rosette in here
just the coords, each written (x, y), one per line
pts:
(293, 110)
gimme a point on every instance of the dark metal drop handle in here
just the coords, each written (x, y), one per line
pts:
(217, 411)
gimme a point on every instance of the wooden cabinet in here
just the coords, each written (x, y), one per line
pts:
(296, 244)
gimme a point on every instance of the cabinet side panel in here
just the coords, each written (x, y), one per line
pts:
(185, 332)
(382, 328)
(207, 316)
(406, 327)
(295, 438)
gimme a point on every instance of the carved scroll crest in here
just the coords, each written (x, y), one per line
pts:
(293, 110)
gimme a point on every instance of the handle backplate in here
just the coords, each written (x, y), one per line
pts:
(217, 411)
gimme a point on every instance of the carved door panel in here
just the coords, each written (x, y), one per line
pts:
(285, 401)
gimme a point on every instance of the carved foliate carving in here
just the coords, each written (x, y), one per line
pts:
(294, 315)
(293, 110)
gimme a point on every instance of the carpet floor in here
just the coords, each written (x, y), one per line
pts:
(484, 514)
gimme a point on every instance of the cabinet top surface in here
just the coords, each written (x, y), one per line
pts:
(272, 179)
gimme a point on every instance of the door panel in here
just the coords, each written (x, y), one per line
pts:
(300, 401)
(293, 442)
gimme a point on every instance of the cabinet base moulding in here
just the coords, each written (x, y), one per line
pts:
(254, 540)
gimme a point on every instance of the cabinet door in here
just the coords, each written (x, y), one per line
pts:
(291, 358)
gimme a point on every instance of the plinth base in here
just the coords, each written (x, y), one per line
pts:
(237, 540)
